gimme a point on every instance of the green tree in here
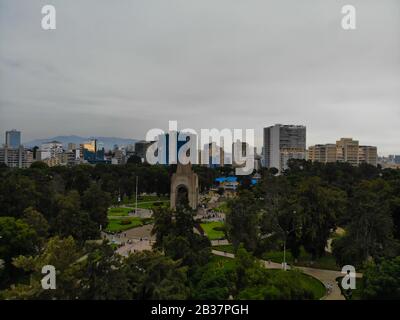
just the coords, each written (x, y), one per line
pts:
(281, 220)
(176, 237)
(254, 282)
(39, 165)
(246, 268)
(162, 225)
(38, 222)
(16, 238)
(64, 255)
(381, 281)
(96, 202)
(370, 230)
(16, 194)
(134, 159)
(71, 220)
(152, 276)
(242, 221)
(320, 206)
(212, 286)
(103, 275)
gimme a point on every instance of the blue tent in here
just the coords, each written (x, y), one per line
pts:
(226, 179)
(232, 179)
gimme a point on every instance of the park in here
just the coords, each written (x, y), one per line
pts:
(210, 222)
(195, 234)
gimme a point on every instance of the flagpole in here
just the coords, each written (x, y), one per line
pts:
(136, 194)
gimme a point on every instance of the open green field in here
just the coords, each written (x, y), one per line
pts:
(130, 207)
(224, 248)
(311, 283)
(122, 224)
(152, 198)
(119, 219)
(144, 198)
(151, 204)
(304, 280)
(327, 262)
(209, 229)
(119, 211)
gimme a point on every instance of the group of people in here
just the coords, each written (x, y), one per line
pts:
(211, 214)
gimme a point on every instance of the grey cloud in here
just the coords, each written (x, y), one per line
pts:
(123, 67)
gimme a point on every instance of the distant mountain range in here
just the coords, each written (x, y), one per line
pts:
(108, 142)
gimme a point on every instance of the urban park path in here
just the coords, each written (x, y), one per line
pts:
(139, 239)
(327, 277)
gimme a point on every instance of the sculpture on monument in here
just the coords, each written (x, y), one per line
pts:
(184, 187)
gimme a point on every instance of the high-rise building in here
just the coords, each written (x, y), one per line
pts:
(169, 146)
(16, 157)
(92, 152)
(212, 155)
(13, 154)
(13, 138)
(368, 154)
(323, 153)
(347, 151)
(72, 157)
(118, 157)
(243, 154)
(71, 146)
(50, 150)
(140, 149)
(282, 143)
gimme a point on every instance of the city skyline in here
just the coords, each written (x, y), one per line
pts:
(259, 147)
(235, 66)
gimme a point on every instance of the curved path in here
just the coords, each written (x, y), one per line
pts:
(141, 239)
(327, 277)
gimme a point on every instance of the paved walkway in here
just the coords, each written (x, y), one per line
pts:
(327, 277)
(133, 240)
(221, 242)
(135, 246)
(140, 238)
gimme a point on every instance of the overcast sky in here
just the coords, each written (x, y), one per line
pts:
(120, 68)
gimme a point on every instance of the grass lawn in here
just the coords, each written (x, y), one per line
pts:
(316, 286)
(124, 211)
(145, 198)
(326, 262)
(277, 256)
(218, 262)
(119, 211)
(306, 281)
(224, 248)
(150, 204)
(122, 224)
(209, 229)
